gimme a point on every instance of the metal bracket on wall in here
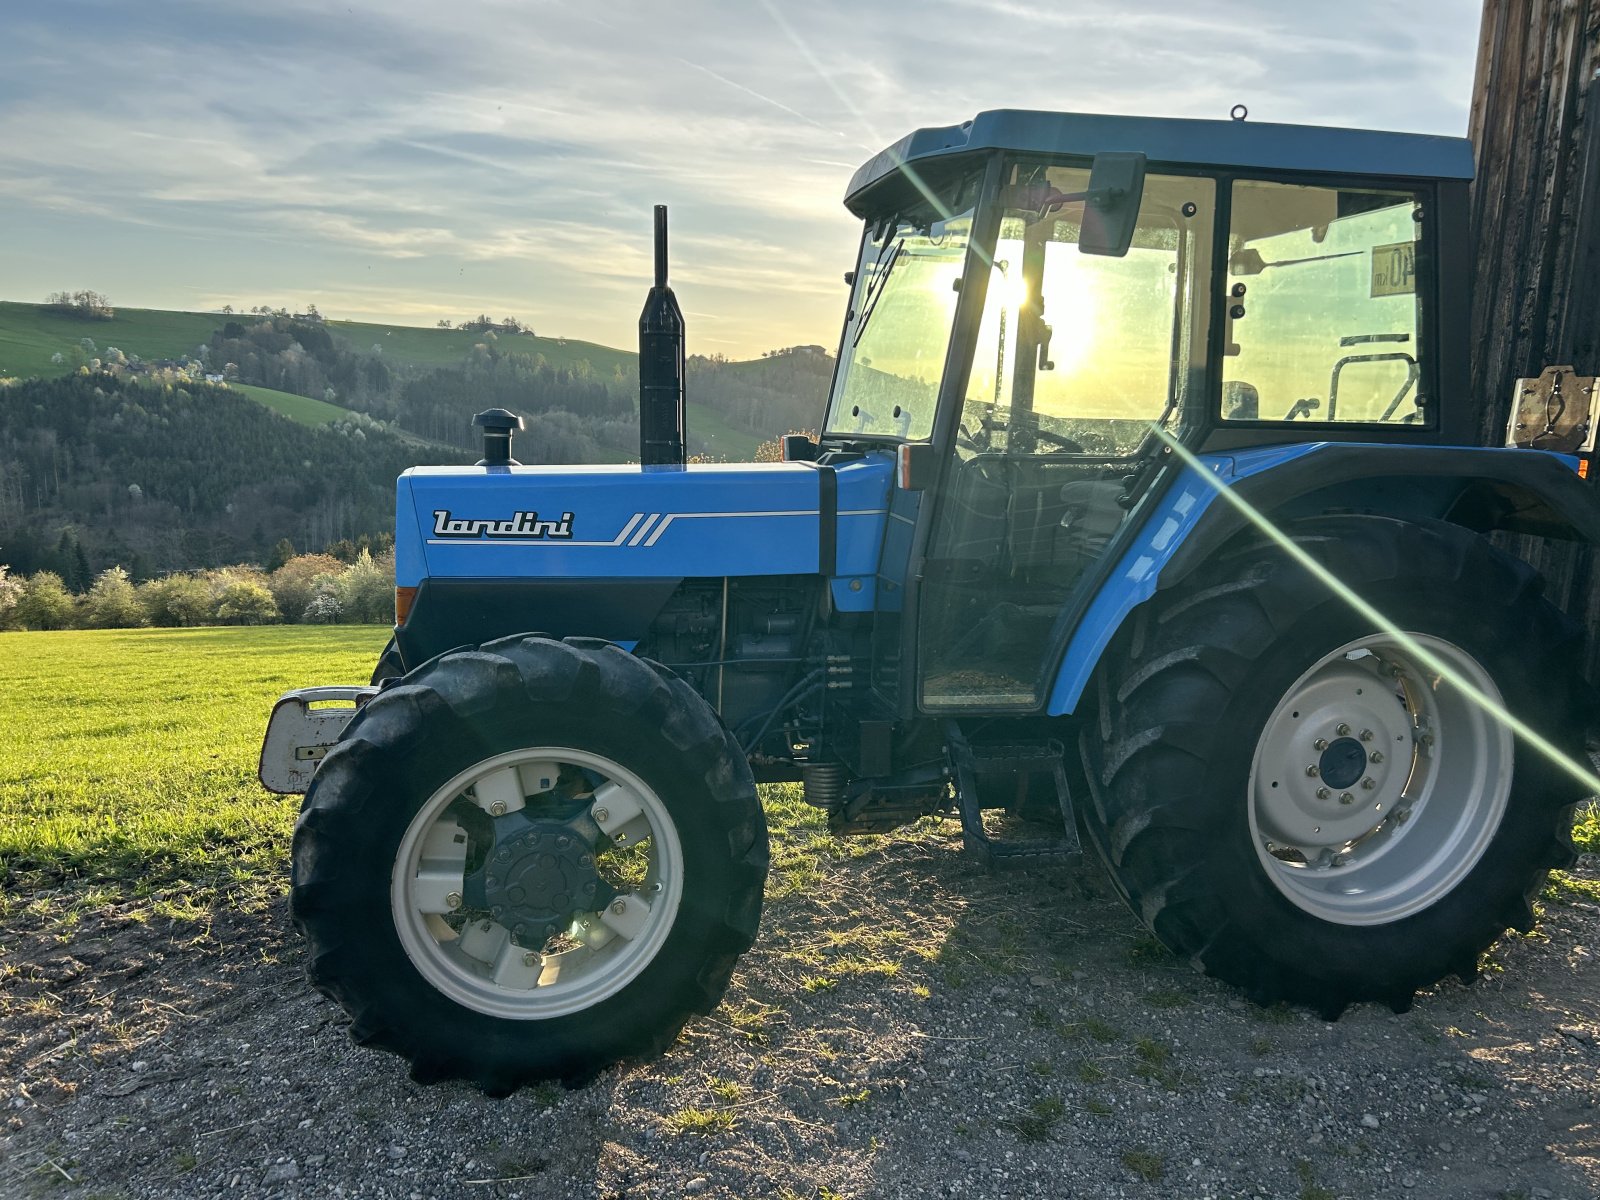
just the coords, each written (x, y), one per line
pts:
(1558, 411)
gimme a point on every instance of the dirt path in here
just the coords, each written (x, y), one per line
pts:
(907, 1026)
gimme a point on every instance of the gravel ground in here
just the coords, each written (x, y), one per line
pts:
(906, 1026)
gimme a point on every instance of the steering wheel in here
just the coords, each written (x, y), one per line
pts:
(1058, 441)
(966, 440)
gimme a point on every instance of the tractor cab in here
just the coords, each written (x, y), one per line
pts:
(1040, 298)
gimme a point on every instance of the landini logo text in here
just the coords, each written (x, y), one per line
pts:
(521, 525)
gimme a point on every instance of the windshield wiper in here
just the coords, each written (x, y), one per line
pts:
(870, 304)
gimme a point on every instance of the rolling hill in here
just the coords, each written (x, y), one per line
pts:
(31, 337)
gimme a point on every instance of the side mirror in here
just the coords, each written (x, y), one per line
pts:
(1111, 206)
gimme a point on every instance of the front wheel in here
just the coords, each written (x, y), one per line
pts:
(529, 861)
(1323, 811)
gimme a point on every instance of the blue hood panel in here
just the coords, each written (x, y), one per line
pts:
(607, 522)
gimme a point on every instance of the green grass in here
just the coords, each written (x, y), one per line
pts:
(128, 762)
(710, 435)
(28, 337)
(300, 408)
(441, 347)
(1586, 829)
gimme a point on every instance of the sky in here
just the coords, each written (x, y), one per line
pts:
(407, 160)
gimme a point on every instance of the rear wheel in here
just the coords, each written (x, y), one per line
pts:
(529, 861)
(1314, 809)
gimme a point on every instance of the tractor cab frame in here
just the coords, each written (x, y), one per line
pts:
(1271, 286)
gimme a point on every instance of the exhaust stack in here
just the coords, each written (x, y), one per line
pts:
(661, 366)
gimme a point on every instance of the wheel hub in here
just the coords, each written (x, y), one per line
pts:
(1360, 808)
(537, 875)
(1343, 763)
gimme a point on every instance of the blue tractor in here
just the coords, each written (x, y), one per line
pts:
(1146, 504)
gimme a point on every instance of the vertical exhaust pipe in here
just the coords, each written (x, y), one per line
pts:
(661, 366)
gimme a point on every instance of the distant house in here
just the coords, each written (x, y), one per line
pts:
(215, 377)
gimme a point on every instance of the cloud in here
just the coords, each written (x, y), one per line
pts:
(407, 156)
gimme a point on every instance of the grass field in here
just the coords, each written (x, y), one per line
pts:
(300, 408)
(28, 337)
(129, 756)
(128, 768)
(718, 439)
(440, 347)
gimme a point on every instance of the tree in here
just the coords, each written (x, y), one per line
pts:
(112, 603)
(10, 593)
(45, 603)
(245, 602)
(282, 552)
(180, 600)
(84, 304)
(295, 584)
(366, 590)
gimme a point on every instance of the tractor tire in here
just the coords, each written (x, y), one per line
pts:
(487, 751)
(390, 664)
(1293, 800)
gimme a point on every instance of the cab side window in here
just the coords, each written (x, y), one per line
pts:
(1322, 306)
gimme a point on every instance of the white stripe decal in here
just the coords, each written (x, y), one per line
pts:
(644, 529)
(671, 517)
(862, 512)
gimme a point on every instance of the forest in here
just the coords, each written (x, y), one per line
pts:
(143, 466)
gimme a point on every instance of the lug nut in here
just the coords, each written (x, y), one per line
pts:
(1401, 816)
(587, 860)
(1320, 744)
(1427, 739)
(1323, 793)
(1346, 798)
(602, 815)
(1376, 756)
(1366, 735)
(530, 959)
(619, 907)
(1313, 770)
(1369, 783)
(1343, 730)
(453, 900)
(1340, 860)
(497, 808)
(563, 842)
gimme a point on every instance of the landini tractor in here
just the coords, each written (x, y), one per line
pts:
(1145, 500)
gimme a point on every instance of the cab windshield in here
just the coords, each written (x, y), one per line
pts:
(901, 309)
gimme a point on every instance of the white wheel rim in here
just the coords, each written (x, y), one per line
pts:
(469, 957)
(1377, 784)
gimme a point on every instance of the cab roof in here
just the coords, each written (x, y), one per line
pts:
(1250, 145)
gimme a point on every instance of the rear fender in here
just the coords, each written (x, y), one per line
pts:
(1517, 491)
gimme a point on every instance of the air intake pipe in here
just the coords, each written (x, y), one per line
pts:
(661, 366)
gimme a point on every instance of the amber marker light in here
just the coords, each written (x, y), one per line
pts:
(404, 598)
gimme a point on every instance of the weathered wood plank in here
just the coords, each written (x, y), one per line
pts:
(1535, 124)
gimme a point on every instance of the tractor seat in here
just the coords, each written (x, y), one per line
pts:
(1091, 518)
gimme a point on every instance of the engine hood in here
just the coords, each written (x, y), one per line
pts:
(596, 522)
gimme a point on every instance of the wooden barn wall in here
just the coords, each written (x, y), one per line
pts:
(1535, 126)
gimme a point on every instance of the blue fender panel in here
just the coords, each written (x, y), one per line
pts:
(1134, 579)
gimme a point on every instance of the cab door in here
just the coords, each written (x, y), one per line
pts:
(1078, 357)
